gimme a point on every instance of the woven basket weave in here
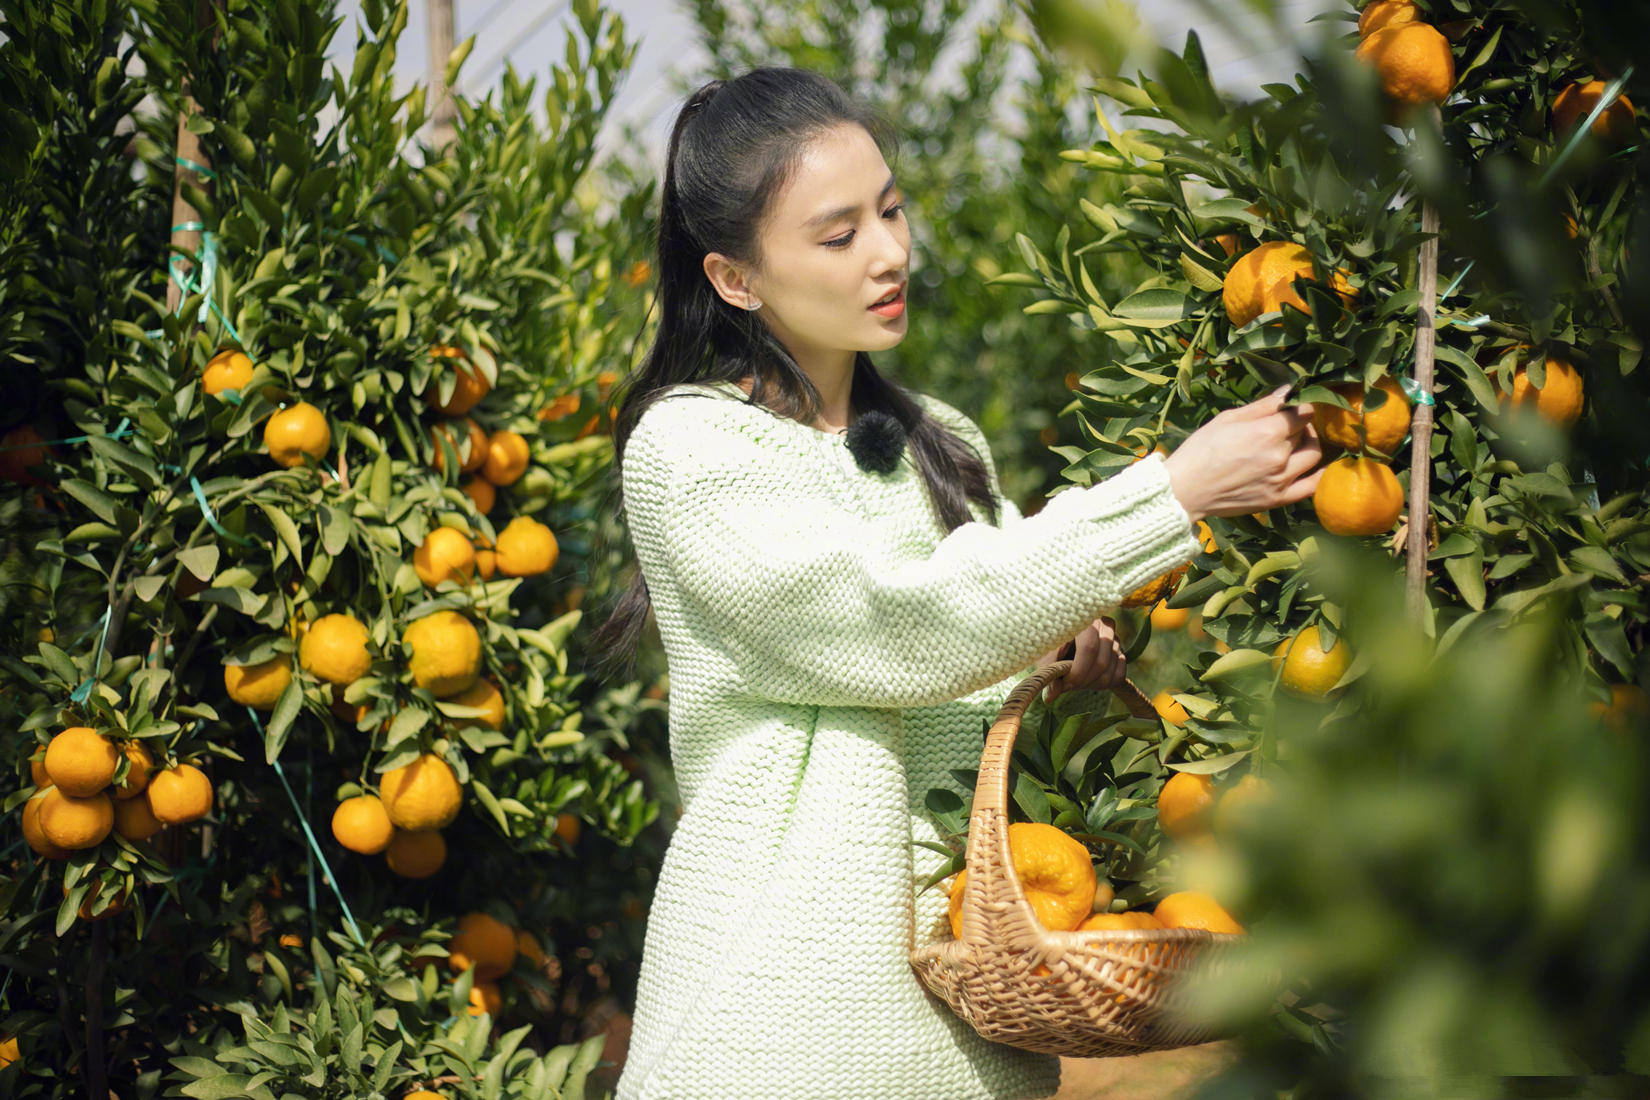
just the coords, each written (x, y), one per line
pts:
(1077, 994)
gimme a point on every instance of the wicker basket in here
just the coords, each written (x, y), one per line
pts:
(1078, 994)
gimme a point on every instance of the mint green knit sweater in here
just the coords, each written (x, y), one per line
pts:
(832, 656)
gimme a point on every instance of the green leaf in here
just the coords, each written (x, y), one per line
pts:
(281, 719)
(285, 530)
(104, 506)
(1468, 574)
(1236, 661)
(485, 797)
(1156, 308)
(201, 561)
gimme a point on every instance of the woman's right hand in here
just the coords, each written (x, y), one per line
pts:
(1248, 459)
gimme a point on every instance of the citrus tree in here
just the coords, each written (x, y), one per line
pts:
(1430, 235)
(297, 526)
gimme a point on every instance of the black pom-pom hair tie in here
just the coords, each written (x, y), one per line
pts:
(876, 440)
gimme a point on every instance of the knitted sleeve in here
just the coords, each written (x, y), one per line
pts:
(775, 568)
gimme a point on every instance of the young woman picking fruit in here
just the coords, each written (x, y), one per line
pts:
(843, 595)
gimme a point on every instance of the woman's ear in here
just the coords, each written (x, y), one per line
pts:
(729, 280)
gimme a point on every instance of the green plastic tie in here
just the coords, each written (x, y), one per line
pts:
(119, 433)
(314, 845)
(198, 169)
(211, 519)
(1412, 389)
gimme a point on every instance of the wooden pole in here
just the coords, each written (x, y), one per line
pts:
(188, 153)
(440, 17)
(1420, 428)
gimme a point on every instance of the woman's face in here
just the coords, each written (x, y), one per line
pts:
(835, 242)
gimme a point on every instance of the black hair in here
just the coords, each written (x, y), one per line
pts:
(734, 146)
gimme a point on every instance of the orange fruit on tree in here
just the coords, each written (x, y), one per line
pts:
(481, 493)
(227, 370)
(335, 649)
(1192, 909)
(1262, 281)
(9, 1051)
(1560, 398)
(296, 431)
(446, 652)
(139, 765)
(1165, 617)
(526, 548)
(362, 825)
(1169, 708)
(528, 948)
(1308, 668)
(260, 685)
(88, 904)
(1386, 13)
(1358, 496)
(135, 821)
(507, 458)
(1238, 803)
(1184, 805)
(485, 696)
(639, 273)
(560, 407)
(568, 827)
(179, 795)
(1155, 589)
(37, 768)
(446, 554)
(1616, 124)
(21, 449)
(75, 823)
(486, 561)
(1378, 428)
(1412, 61)
(423, 795)
(1628, 706)
(484, 942)
(34, 835)
(469, 387)
(81, 762)
(471, 450)
(415, 854)
(485, 999)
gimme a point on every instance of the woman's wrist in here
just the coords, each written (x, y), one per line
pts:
(1184, 491)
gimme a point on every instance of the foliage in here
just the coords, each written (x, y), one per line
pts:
(159, 542)
(1393, 881)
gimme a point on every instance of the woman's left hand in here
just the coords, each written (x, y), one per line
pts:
(1098, 663)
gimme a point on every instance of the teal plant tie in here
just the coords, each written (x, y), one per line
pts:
(1412, 390)
(314, 845)
(198, 169)
(121, 432)
(211, 519)
(84, 691)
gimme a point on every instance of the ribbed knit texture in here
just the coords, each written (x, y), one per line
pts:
(833, 655)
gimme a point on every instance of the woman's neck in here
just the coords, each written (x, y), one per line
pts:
(835, 406)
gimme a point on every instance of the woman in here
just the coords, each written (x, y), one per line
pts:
(841, 607)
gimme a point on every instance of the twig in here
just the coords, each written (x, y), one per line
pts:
(1420, 429)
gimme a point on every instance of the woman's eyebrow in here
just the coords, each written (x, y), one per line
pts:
(843, 211)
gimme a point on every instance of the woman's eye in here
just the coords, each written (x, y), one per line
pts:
(848, 238)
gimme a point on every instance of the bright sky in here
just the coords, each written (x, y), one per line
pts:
(531, 35)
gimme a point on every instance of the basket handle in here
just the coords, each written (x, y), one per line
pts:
(991, 788)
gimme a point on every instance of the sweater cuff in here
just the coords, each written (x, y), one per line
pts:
(1151, 533)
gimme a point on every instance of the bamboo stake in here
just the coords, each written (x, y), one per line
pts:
(186, 243)
(1420, 428)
